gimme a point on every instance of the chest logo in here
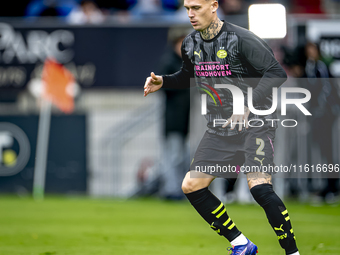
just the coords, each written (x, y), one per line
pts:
(198, 53)
(221, 54)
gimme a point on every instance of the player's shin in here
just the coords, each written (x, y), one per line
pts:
(214, 212)
(277, 215)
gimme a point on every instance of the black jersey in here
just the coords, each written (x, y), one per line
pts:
(235, 56)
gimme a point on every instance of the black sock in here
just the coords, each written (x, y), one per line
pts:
(277, 215)
(214, 212)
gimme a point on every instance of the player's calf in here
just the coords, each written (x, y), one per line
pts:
(277, 215)
(212, 209)
(214, 213)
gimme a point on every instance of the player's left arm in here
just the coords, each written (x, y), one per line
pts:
(260, 56)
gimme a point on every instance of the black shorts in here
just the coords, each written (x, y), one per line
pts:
(227, 156)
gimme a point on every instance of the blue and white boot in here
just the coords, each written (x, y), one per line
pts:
(247, 249)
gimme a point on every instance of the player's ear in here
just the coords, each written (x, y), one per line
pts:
(214, 6)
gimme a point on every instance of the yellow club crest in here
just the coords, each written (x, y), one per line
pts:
(221, 54)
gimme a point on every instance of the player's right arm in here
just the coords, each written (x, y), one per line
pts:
(178, 80)
(152, 84)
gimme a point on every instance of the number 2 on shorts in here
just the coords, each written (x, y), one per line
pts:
(259, 150)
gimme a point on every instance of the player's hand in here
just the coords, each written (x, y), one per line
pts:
(240, 119)
(152, 84)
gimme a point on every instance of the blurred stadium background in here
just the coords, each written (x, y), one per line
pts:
(110, 147)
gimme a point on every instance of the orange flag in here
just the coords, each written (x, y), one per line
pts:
(57, 82)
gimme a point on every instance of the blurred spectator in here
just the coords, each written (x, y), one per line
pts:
(59, 8)
(146, 7)
(175, 161)
(294, 60)
(232, 7)
(87, 12)
(324, 106)
(175, 156)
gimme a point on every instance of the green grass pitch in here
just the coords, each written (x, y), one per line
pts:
(83, 226)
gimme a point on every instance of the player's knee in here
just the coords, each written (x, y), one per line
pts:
(194, 181)
(192, 184)
(188, 185)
